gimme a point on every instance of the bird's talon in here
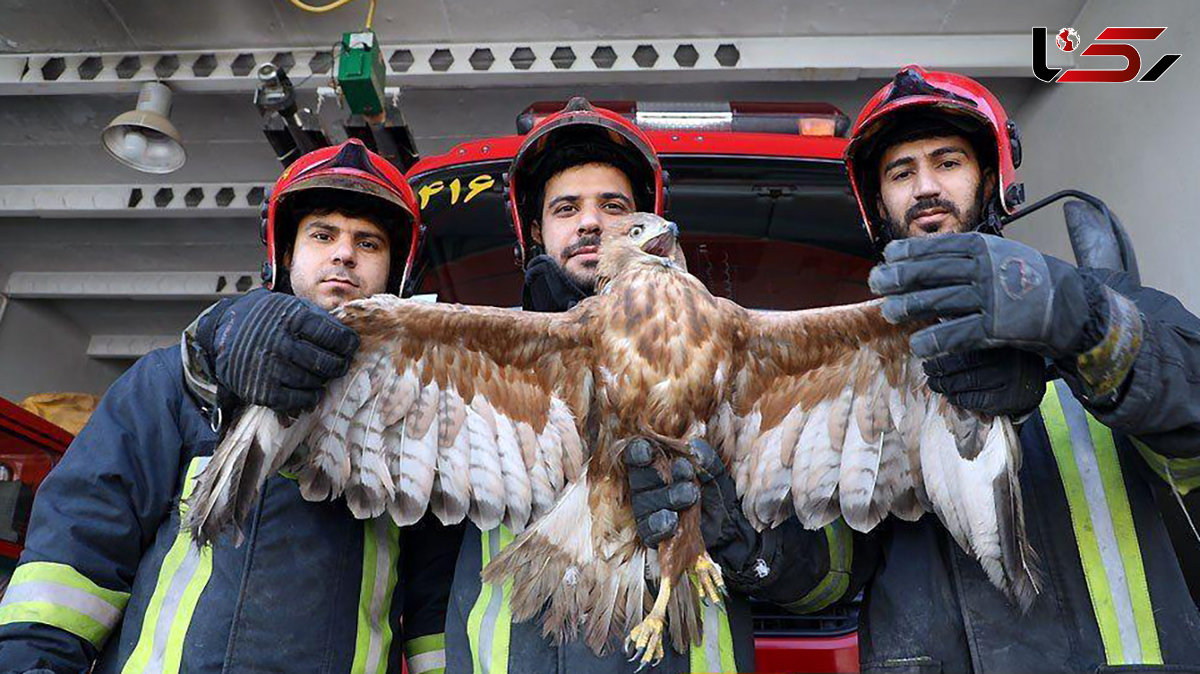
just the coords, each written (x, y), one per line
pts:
(708, 580)
(637, 654)
(647, 635)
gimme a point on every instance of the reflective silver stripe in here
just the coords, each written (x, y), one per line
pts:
(1084, 453)
(487, 631)
(383, 568)
(182, 577)
(712, 637)
(170, 608)
(425, 662)
(64, 595)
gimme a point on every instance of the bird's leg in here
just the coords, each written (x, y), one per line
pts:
(707, 578)
(647, 636)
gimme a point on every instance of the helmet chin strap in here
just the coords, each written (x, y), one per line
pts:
(990, 221)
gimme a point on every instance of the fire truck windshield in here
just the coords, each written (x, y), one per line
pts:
(771, 233)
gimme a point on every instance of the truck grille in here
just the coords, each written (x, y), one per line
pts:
(772, 621)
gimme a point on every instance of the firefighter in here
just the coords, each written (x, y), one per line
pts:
(932, 161)
(577, 171)
(108, 579)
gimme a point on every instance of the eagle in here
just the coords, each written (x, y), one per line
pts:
(519, 419)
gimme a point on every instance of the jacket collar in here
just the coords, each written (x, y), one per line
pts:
(548, 288)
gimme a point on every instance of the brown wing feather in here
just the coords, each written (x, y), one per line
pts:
(808, 381)
(834, 415)
(494, 398)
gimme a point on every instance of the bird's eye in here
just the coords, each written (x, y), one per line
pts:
(635, 232)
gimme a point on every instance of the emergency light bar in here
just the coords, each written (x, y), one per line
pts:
(794, 119)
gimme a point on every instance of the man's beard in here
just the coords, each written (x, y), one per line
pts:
(585, 283)
(969, 223)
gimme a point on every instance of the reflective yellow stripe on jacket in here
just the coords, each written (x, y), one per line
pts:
(1183, 475)
(381, 555)
(56, 594)
(714, 653)
(1104, 531)
(181, 579)
(426, 655)
(489, 625)
(837, 580)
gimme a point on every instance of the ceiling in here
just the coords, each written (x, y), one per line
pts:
(54, 139)
(146, 25)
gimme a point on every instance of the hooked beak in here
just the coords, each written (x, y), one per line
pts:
(662, 244)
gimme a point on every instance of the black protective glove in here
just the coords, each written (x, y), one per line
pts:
(998, 382)
(729, 537)
(780, 565)
(657, 502)
(991, 292)
(273, 350)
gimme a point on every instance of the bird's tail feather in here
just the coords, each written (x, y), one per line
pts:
(551, 566)
(684, 615)
(564, 567)
(977, 495)
(1018, 558)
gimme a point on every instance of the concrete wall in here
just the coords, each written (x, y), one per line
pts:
(43, 350)
(44, 342)
(56, 139)
(1134, 145)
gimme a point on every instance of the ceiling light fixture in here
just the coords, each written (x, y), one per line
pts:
(144, 138)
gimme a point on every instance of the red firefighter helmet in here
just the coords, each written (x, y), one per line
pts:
(348, 167)
(962, 102)
(580, 123)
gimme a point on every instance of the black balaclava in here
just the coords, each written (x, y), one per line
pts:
(548, 287)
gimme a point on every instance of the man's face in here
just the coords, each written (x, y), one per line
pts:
(336, 259)
(932, 186)
(577, 205)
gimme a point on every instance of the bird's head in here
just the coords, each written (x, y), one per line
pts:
(643, 237)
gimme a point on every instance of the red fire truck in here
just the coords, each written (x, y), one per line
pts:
(761, 196)
(29, 447)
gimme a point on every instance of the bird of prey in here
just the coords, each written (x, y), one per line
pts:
(520, 418)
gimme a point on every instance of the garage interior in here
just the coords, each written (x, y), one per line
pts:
(100, 263)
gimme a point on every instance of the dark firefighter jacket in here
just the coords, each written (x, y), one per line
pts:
(1112, 594)
(108, 577)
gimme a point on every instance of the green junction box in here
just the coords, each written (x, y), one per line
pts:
(361, 73)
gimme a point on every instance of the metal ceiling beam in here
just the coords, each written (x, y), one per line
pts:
(537, 63)
(127, 346)
(144, 200)
(210, 285)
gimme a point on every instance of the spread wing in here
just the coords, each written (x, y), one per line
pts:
(830, 416)
(460, 410)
